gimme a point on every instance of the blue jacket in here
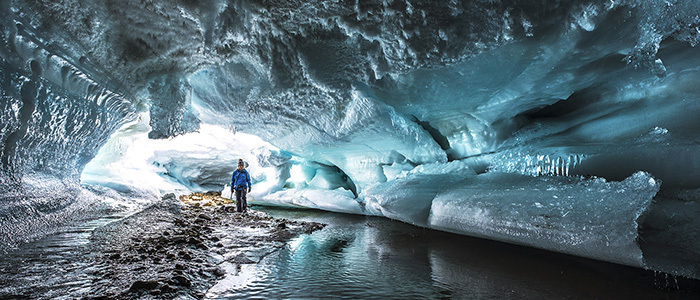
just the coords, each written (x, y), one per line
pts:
(240, 180)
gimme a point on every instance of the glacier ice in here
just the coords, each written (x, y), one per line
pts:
(597, 219)
(570, 126)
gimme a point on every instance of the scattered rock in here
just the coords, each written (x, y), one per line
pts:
(173, 244)
(209, 199)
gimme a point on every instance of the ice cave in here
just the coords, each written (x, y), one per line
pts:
(567, 126)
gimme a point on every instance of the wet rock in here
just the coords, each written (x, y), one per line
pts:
(182, 281)
(172, 247)
(167, 288)
(311, 227)
(218, 272)
(242, 259)
(184, 255)
(140, 285)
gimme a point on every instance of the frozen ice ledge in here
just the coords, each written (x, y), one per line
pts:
(564, 125)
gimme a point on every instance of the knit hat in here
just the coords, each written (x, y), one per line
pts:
(240, 162)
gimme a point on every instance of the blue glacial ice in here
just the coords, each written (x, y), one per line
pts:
(568, 126)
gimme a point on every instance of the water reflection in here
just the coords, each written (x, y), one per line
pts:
(361, 257)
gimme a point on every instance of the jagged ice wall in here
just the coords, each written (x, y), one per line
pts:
(565, 125)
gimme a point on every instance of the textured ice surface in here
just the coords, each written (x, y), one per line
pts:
(422, 111)
(586, 217)
(338, 200)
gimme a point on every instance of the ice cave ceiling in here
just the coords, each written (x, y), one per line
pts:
(428, 112)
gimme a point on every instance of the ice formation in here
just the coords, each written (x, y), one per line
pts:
(565, 125)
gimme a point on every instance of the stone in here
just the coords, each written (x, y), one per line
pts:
(140, 285)
(242, 259)
(218, 272)
(182, 280)
(156, 292)
(184, 255)
(167, 288)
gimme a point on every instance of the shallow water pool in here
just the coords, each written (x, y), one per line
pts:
(358, 257)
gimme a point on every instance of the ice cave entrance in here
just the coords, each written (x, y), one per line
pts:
(130, 162)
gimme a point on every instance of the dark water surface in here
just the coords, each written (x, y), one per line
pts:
(358, 257)
(54, 267)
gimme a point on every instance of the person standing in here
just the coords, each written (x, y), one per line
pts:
(240, 183)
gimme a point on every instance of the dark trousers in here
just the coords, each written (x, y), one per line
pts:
(241, 201)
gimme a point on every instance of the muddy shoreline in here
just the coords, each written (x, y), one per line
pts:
(175, 248)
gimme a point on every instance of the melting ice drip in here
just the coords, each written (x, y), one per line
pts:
(536, 165)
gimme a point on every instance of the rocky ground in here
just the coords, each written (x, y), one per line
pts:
(174, 248)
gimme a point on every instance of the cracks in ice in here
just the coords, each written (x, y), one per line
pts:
(439, 138)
